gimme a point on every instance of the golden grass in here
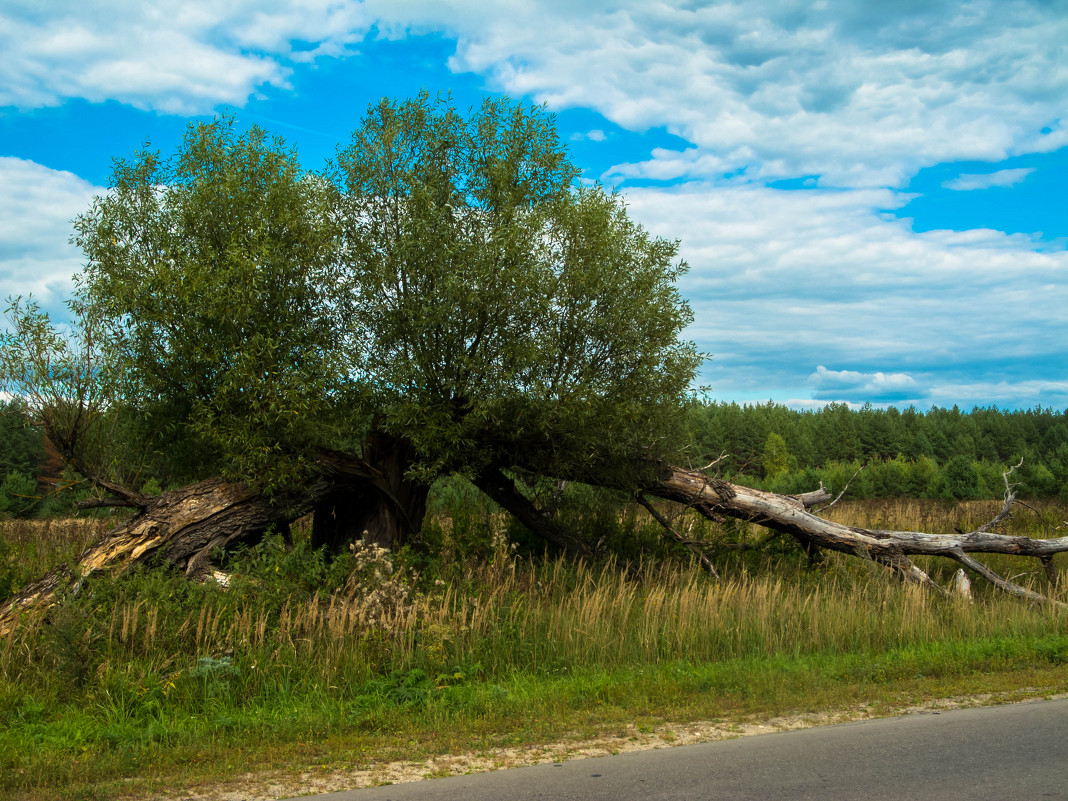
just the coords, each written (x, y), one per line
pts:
(508, 614)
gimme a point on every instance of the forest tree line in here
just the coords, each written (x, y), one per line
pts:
(941, 453)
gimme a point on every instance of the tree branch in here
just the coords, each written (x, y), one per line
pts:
(1010, 497)
(503, 491)
(689, 544)
(891, 547)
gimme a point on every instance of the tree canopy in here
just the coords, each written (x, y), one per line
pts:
(447, 291)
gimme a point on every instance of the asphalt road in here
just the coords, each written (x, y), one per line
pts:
(1006, 753)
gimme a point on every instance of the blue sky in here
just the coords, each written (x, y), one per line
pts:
(871, 196)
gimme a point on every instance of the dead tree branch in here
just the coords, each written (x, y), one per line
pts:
(1010, 498)
(694, 547)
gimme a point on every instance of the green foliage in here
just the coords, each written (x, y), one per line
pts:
(776, 458)
(447, 282)
(904, 454)
(9, 571)
(960, 480)
(18, 495)
(509, 314)
(21, 444)
(211, 273)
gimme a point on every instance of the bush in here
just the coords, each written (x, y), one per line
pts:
(960, 480)
(18, 495)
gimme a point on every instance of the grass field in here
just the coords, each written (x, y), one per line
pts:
(148, 681)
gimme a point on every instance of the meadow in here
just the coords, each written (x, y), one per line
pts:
(147, 680)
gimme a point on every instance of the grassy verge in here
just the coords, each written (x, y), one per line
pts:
(146, 681)
(326, 734)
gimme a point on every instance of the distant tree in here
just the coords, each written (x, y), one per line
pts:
(776, 458)
(960, 479)
(21, 446)
(18, 495)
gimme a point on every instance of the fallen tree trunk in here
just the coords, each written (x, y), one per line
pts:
(183, 527)
(712, 497)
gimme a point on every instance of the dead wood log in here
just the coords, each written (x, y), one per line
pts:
(181, 528)
(892, 548)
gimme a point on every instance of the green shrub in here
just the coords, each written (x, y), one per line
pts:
(18, 495)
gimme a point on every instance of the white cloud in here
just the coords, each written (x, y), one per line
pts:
(37, 205)
(859, 94)
(784, 281)
(1006, 394)
(876, 387)
(595, 135)
(181, 59)
(1001, 178)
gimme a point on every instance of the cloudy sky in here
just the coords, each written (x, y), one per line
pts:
(871, 195)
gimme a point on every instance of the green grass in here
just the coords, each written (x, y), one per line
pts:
(147, 680)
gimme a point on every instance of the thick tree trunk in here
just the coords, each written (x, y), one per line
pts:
(182, 527)
(384, 506)
(499, 487)
(351, 498)
(364, 513)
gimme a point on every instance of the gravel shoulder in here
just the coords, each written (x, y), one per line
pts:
(290, 783)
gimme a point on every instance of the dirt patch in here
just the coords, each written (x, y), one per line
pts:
(287, 784)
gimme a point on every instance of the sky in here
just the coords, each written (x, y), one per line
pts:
(870, 195)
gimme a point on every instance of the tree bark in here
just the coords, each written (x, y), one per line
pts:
(502, 489)
(182, 528)
(382, 505)
(891, 548)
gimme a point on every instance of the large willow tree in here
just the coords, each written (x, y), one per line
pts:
(446, 297)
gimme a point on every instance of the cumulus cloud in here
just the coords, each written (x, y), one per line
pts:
(182, 59)
(877, 387)
(859, 94)
(1001, 178)
(37, 205)
(1047, 393)
(595, 135)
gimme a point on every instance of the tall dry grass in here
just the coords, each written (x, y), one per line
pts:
(508, 614)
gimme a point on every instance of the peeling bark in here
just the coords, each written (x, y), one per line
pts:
(182, 527)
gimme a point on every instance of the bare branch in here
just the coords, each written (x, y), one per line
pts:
(1001, 583)
(689, 544)
(713, 463)
(106, 503)
(1051, 570)
(786, 514)
(810, 499)
(1010, 498)
(840, 494)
